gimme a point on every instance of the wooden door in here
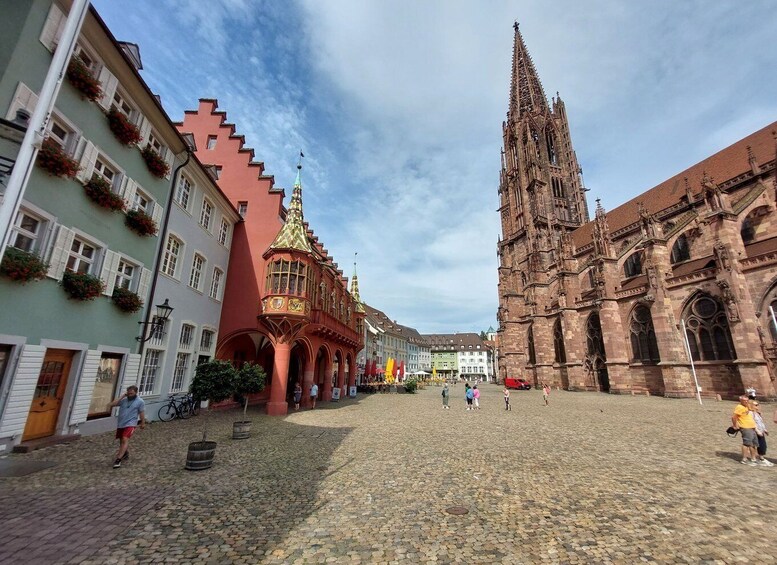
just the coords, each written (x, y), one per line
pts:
(47, 400)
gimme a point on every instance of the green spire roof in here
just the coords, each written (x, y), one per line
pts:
(355, 290)
(293, 234)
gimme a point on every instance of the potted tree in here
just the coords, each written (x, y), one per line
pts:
(215, 381)
(249, 379)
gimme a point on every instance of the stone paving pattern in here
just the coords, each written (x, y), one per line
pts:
(590, 478)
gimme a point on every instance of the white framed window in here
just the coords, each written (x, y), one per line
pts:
(212, 142)
(105, 171)
(26, 232)
(82, 256)
(187, 336)
(206, 213)
(89, 59)
(172, 254)
(125, 274)
(184, 192)
(223, 231)
(195, 277)
(179, 373)
(206, 340)
(215, 283)
(149, 373)
(156, 145)
(158, 331)
(63, 133)
(121, 104)
(142, 202)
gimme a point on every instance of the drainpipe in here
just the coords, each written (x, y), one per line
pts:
(161, 248)
(33, 137)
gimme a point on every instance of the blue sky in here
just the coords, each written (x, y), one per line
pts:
(398, 107)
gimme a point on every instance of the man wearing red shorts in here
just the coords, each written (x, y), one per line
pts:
(131, 412)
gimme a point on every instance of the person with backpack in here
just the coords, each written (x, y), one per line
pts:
(470, 395)
(445, 395)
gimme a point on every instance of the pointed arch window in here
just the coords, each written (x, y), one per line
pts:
(751, 224)
(530, 345)
(558, 343)
(681, 251)
(644, 347)
(594, 338)
(551, 143)
(633, 265)
(706, 326)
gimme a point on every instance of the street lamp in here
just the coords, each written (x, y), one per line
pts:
(163, 312)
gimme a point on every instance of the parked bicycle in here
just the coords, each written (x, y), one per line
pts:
(177, 407)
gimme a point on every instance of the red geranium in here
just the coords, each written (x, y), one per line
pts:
(140, 222)
(53, 158)
(83, 80)
(125, 131)
(99, 191)
(82, 286)
(126, 300)
(158, 167)
(21, 266)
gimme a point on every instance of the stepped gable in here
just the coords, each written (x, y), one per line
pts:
(723, 166)
(239, 138)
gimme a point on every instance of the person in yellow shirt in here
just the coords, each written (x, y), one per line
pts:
(743, 420)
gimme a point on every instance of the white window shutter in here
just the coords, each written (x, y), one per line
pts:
(86, 381)
(110, 270)
(22, 98)
(129, 193)
(144, 125)
(156, 214)
(61, 252)
(108, 83)
(170, 159)
(52, 29)
(145, 280)
(22, 390)
(131, 369)
(88, 159)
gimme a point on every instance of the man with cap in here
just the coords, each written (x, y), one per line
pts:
(742, 420)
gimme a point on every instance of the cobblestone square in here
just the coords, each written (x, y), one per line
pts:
(592, 478)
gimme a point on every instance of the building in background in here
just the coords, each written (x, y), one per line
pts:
(609, 305)
(193, 276)
(286, 304)
(66, 344)
(461, 355)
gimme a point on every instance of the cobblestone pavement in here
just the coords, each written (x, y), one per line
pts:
(592, 478)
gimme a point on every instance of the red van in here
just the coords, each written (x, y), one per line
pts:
(520, 384)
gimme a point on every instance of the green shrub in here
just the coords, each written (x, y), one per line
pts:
(213, 380)
(411, 385)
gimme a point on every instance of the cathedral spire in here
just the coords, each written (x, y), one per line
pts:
(526, 93)
(293, 234)
(355, 287)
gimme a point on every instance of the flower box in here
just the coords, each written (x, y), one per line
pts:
(82, 286)
(22, 266)
(158, 167)
(53, 158)
(126, 300)
(140, 222)
(83, 80)
(99, 191)
(125, 131)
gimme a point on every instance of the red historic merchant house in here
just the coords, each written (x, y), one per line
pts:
(286, 303)
(610, 304)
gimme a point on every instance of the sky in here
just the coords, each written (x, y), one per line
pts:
(398, 106)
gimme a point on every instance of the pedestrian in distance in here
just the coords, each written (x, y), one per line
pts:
(445, 396)
(507, 399)
(131, 414)
(313, 395)
(297, 395)
(761, 432)
(466, 389)
(476, 397)
(545, 393)
(742, 420)
(470, 396)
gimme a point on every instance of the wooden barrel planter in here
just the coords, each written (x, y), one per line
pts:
(200, 455)
(241, 430)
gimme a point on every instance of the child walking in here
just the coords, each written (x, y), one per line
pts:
(476, 397)
(445, 395)
(469, 395)
(507, 399)
(545, 393)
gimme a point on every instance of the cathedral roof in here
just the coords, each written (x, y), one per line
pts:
(724, 165)
(293, 234)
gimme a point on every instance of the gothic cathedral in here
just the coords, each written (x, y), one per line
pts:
(681, 279)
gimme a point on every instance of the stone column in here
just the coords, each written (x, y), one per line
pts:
(543, 351)
(341, 378)
(326, 391)
(352, 374)
(280, 376)
(573, 328)
(615, 348)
